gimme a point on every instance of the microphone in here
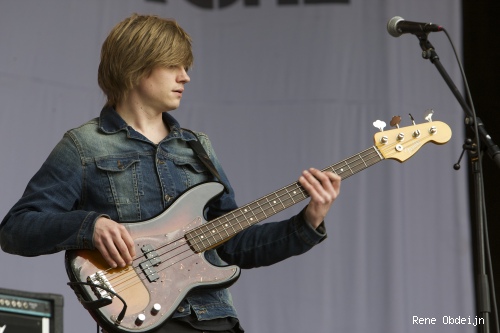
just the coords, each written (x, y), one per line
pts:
(398, 26)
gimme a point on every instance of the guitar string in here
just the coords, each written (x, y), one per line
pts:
(372, 153)
(353, 169)
(331, 167)
(286, 194)
(210, 233)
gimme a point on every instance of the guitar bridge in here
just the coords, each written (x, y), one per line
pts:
(98, 282)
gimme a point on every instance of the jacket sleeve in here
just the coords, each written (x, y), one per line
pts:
(261, 244)
(46, 219)
(268, 243)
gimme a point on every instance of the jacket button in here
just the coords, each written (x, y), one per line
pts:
(180, 309)
(167, 198)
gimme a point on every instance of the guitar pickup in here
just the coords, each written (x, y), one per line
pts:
(149, 271)
(151, 255)
(152, 260)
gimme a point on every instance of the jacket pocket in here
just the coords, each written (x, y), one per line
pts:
(193, 171)
(121, 179)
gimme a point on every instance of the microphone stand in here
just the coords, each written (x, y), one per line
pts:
(482, 139)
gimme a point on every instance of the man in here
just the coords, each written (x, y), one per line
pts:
(133, 161)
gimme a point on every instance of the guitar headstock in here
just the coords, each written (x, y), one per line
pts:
(403, 142)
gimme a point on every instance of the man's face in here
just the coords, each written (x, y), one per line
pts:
(162, 90)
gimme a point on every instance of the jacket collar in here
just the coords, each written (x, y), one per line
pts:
(110, 122)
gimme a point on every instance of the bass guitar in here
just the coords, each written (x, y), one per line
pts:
(140, 297)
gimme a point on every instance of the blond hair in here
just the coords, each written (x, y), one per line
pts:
(134, 47)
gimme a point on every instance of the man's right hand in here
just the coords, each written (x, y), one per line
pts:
(114, 242)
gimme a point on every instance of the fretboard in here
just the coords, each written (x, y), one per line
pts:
(223, 228)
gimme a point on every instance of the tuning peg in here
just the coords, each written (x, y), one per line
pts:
(416, 133)
(379, 124)
(395, 121)
(428, 115)
(412, 119)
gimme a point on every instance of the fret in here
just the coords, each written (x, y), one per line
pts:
(239, 225)
(366, 166)
(216, 233)
(353, 164)
(236, 221)
(203, 241)
(206, 236)
(224, 227)
(262, 214)
(241, 217)
(349, 166)
(271, 197)
(271, 206)
(227, 225)
(286, 199)
(296, 192)
(290, 197)
(356, 163)
(277, 202)
(253, 218)
(340, 170)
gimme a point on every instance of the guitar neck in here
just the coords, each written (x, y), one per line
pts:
(221, 229)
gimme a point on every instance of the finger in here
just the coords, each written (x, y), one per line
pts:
(330, 181)
(114, 242)
(125, 245)
(105, 254)
(336, 184)
(130, 244)
(324, 180)
(312, 186)
(321, 183)
(113, 248)
(322, 186)
(335, 181)
(333, 176)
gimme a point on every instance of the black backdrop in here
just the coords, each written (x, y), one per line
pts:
(481, 64)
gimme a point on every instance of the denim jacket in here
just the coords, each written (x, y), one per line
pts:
(105, 167)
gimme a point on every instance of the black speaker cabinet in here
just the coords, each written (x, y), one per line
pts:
(29, 312)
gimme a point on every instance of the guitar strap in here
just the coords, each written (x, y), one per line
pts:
(197, 147)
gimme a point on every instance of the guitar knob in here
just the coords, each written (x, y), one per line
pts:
(433, 130)
(384, 139)
(416, 134)
(401, 136)
(156, 308)
(140, 319)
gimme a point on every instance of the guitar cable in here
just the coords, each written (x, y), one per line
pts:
(91, 305)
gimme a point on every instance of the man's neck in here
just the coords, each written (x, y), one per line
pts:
(147, 122)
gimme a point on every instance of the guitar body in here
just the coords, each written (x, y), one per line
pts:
(165, 270)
